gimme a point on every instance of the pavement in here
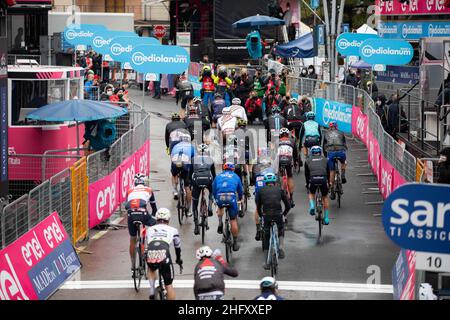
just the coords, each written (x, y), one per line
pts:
(354, 260)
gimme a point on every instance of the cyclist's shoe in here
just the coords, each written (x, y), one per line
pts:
(258, 236)
(210, 212)
(196, 229)
(132, 273)
(236, 245)
(281, 254)
(312, 211)
(241, 213)
(189, 214)
(326, 220)
(220, 228)
(332, 194)
(152, 297)
(344, 180)
(266, 266)
(175, 195)
(292, 203)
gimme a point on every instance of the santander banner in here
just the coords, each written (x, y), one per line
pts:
(395, 7)
(38, 263)
(106, 195)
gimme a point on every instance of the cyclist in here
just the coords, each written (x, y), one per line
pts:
(217, 107)
(209, 273)
(225, 187)
(174, 130)
(237, 110)
(245, 140)
(287, 156)
(159, 239)
(203, 175)
(193, 120)
(226, 124)
(268, 203)
(316, 175)
(182, 155)
(335, 147)
(305, 105)
(269, 289)
(313, 135)
(275, 123)
(138, 199)
(185, 92)
(294, 116)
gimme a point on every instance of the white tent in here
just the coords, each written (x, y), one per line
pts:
(366, 29)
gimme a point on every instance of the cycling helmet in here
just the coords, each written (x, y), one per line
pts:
(333, 124)
(139, 179)
(241, 122)
(228, 166)
(163, 214)
(270, 178)
(185, 138)
(293, 101)
(310, 115)
(316, 150)
(276, 109)
(203, 148)
(203, 252)
(175, 116)
(268, 283)
(236, 101)
(284, 132)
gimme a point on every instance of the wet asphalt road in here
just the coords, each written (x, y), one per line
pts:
(354, 247)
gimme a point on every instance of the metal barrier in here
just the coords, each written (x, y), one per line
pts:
(61, 198)
(38, 204)
(14, 220)
(80, 226)
(403, 161)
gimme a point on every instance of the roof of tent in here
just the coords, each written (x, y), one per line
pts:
(302, 47)
(366, 29)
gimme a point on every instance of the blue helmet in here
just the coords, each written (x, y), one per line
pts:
(270, 178)
(316, 150)
(310, 115)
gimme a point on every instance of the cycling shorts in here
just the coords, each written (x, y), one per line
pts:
(158, 256)
(184, 172)
(288, 167)
(228, 200)
(141, 216)
(312, 141)
(318, 182)
(341, 155)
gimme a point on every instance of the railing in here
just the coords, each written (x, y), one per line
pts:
(66, 192)
(403, 161)
(24, 59)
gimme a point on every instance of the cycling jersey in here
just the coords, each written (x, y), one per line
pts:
(312, 128)
(182, 155)
(269, 198)
(217, 106)
(203, 170)
(293, 113)
(209, 275)
(225, 187)
(276, 122)
(268, 296)
(334, 141)
(140, 193)
(287, 152)
(227, 124)
(194, 122)
(171, 127)
(164, 233)
(237, 111)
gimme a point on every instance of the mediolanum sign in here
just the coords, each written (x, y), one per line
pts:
(417, 217)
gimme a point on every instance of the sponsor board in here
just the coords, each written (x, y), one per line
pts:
(327, 111)
(81, 34)
(348, 44)
(412, 7)
(121, 47)
(102, 40)
(386, 52)
(413, 30)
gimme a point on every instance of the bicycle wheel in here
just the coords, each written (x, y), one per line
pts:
(181, 203)
(203, 216)
(319, 212)
(338, 188)
(227, 238)
(261, 233)
(274, 253)
(137, 258)
(160, 292)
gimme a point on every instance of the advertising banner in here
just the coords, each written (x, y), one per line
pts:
(399, 74)
(81, 34)
(121, 46)
(386, 179)
(348, 44)
(127, 171)
(415, 216)
(360, 125)
(103, 198)
(374, 154)
(38, 263)
(414, 7)
(404, 275)
(142, 159)
(3, 116)
(386, 52)
(327, 111)
(101, 41)
(159, 59)
(413, 30)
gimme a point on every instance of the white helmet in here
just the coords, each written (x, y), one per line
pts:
(202, 252)
(268, 282)
(163, 214)
(236, 101)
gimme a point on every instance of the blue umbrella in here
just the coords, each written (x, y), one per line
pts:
(77, 110)
(302, 47)
(257, 21)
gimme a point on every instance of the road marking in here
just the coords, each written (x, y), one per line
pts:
(241, 284)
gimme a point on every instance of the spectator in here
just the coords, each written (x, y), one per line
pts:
(195, 24)
(444, 96)
(304, 73)
(287, 17)
(157, 87)
(381, 109)
(253, 106)
(312, 72)
(372, 89)
(91, 87)
(97, 64)
(164, 84)
(393, 116)
(352, 79)
(243, 85)
(108, 92)
(444, 166)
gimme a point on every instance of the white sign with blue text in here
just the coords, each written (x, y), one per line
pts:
(417, 217)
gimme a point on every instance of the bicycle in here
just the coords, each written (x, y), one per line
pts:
(272, 253)
(203, 214)
(139, 256)
(244, 204)
(161, 292)
(338, 188)
(284, 182)
(181, 205)
(227, 237)
(319, 210)
(261, 231)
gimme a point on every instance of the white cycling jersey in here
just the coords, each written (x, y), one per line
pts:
(140, 192)
(237, 111)
(165, 233)
(227, 124)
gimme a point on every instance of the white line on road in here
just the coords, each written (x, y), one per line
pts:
(241, 284)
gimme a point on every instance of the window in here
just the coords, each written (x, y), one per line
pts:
(115, 5)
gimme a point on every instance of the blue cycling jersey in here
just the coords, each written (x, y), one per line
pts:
(227, 182)
(311, 128)
(186, 150)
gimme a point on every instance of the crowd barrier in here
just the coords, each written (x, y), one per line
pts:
(354, 110)
(67, 191)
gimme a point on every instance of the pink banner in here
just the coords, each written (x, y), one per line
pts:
(386, 179)
(103, 198)
(398, 180)
(361, 125)
(395, 7)
(142, 159)
(127, 171)
(37, 264)
(374, 154)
